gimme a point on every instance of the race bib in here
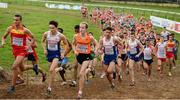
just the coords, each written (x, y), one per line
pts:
(53, 46)
(109, 50)
(17, 41)
(133, 50)
(170, 49)
(161, 52)
(147, 54)
(82, 48)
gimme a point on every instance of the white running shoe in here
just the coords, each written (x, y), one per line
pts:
(102, 76)
(63, 83)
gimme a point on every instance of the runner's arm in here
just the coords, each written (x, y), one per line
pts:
(5, 36)
(141, 48)
(30, 34)
(100, 47)
(95, 43)
(64, 40)
(43, 42)
(74, 44)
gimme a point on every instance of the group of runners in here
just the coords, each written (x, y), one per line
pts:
(126, 44)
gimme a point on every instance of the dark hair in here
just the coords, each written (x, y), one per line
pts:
(20, 17)
(121, 36)
(132, 33)
(60, 30)
(108, 28)
(76, 27)
(172, 34)
(91, 33)
(53, 23)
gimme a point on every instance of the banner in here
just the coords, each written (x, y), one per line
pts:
(3, 5)
(63, 6)
(169, 24)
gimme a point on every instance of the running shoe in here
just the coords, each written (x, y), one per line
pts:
(114, 75)
(73, 84)
(120, 78)
(112, 85)
(102, 76)
(11, 90)
(93, 73)
(48, 93)
(43, 77)
(169, 74)
(132, 83)
(79, 96)
(19, 81)
(63, 83)
(35, 68)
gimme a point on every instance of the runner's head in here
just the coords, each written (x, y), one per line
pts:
(172, 34)
(170, 37)
(83, 27)
(76, 28)
(53, 26)
(132, 36)
(162, 38)
(108, 31)
(17, 19)
(147, 42)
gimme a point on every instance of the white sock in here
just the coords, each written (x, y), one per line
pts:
(49, 88)
(80, 92)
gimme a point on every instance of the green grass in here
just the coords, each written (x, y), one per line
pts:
(36, 18)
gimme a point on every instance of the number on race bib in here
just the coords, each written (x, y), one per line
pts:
(52, 46)
(82, 48)
(170, 49)
(133, 50)
(109, 50)
(17, 41)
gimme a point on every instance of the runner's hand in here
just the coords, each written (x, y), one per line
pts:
(45, 52)
(62, 56)
(75, 52)
(137, 55)
(96, 53)
(100, 52)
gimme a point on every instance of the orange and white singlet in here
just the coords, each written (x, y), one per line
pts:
(83, 44)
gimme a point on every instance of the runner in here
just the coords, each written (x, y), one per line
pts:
(31, 56)
(84, 11)
(175, 49)
(19, 47)
(64, 64)
(81, 47)
(161, 55)
(93, 62)
(148, 59)
(170, 53)
(75, 63)
(95, 15)
(51, 45)
(122, 56)
(134, 48)
(107, 45)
